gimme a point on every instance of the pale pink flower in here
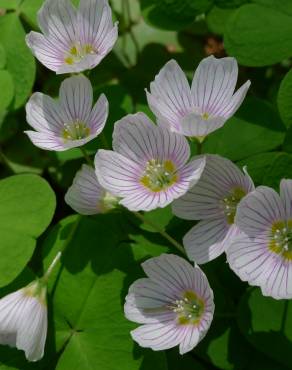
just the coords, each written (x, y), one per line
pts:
(73, 40)
(203, 108)
(174, 304)
(262, 255)
(69, 122)
(213, 200)
(149, 166)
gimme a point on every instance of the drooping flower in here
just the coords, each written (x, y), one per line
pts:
(69, 122)
(174, 304)
(213, 200)
(23, 320)
(73, 40)
(148, 167)
(203, 108)
(86, 196)
(262, 255)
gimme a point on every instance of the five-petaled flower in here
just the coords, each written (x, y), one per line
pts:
(175, 304)
(203, 108)
(213, 200)
(148, 167)
(73, 40)
(23, 320)
(86, 196)
(69, 122)
(262, 255)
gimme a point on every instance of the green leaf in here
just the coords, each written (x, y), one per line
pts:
(160, 217)
(2, 57)
(27, 205)
(217, 19)
(280, 168)
(23, 157)
(259, 165)
(173, 14)
(29, 9)
(187, 362)
(9, 4)
(230, 3)
(20, 62)
(247, 39)
(7, 90)
(97, 269)
(267, 325)
(285, 99)
(287, 145)
(255, 128)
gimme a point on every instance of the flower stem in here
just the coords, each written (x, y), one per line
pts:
(176, 244)
(199, 147)
(59, 254)
(86, 156)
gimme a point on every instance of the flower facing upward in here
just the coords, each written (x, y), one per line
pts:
(213, 200)
(73, 40)
(175, 304)
(262, 255)
(148, 167)
(86, 196)
(69, 122)
(203, 108)
(23, 320)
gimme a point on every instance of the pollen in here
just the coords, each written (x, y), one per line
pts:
(75, 131)
(205, 116)
(159, 175)
(281, 239)
(77, 52)
(230, 201)
(189, 308)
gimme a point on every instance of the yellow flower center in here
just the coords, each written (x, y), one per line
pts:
(281, 239)
(159, 175)
(229, 203)
(75, 131)
(205, 116)
(78, 52)
(189, 309)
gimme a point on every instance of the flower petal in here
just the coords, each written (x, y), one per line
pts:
(194, 125)
(286, 196)
(169, 96)
(137, 138)
(85, 194)
(158, 336)
(76, 97)
(236, 101)
(32, 330)
(45, 141)
(96, 25)
(44, 115)
(190, 340)
(219, 177)
(99, 114)
(48, 53)
(209, 239)
(116, 173)
(253, 262)
(57, 20)
(147, 302)
(174, 274)
(213, 84)
(258, 211)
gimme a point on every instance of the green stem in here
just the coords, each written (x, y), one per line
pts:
(61, 251)
(199, 147)
(176, 244)
(86, 156)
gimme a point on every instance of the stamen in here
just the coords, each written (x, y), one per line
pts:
(159, 175)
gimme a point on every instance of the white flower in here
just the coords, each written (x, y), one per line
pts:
(174, 304)
(262, 255)
(203, 108)
(23, 320)
(86, 196)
